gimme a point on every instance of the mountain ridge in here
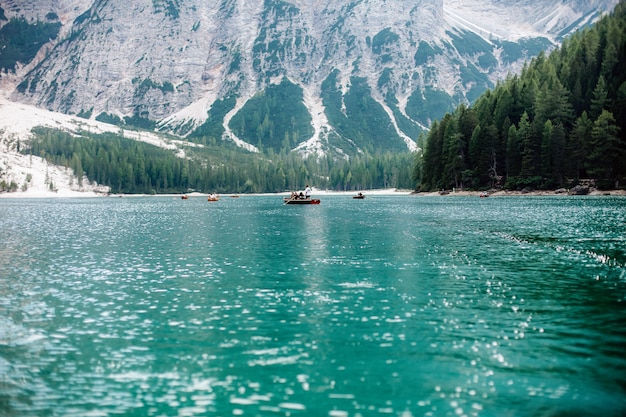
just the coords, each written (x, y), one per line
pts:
(194, 67)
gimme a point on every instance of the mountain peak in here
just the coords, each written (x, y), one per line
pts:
(356, 75)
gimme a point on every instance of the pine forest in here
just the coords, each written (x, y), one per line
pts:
(129, 166)
(563, 119)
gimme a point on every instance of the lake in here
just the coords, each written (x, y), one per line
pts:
(387, 306)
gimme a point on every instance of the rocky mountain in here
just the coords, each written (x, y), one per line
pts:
(338, 76)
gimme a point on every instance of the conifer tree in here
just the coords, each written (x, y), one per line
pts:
(600, 99)
(606, 152)
(513, 153)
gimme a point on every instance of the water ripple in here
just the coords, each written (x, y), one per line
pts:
(402, 306)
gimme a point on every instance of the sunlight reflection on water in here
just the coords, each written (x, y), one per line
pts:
(401, 306)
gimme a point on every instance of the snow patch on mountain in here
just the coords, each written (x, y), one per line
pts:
(35, 176)
(17, 121)
(507, 20)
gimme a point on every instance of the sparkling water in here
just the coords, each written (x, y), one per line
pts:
(391, 306)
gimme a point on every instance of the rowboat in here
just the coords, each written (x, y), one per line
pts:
(294, 200)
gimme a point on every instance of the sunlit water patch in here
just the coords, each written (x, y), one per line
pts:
(396, 305)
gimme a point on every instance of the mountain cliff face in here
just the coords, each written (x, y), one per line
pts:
(337, 76)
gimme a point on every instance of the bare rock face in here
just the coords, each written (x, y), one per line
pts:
(171, 62)
(579, 190)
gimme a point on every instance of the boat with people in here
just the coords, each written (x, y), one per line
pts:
(303, 200)
(213, 197)
(359, 196)
(301, 197)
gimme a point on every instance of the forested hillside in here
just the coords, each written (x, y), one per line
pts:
(129, 166)
(561, 120)
(20, 40)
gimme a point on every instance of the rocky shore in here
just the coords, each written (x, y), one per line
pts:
(503, 193)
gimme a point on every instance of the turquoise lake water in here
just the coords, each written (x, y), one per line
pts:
(388, 306)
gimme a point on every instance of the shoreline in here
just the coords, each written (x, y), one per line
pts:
(550, 193)
(39, 193)
(45, 194)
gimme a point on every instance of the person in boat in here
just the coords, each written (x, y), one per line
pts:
(307, 191)
(301, 195)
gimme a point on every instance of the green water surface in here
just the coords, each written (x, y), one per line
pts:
(388, 306)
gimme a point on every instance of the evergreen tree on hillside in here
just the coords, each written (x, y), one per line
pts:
(129, 166)
(562, 118)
